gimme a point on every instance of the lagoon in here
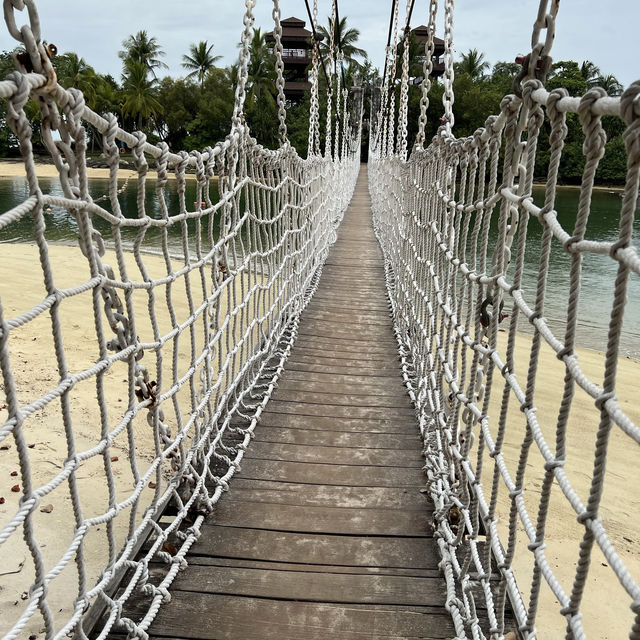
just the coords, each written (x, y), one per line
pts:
(598, 272)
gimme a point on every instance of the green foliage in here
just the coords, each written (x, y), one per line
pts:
(298, 125)
(143, 49)
(73, 71)
(139, 93)
(613, 166)
(213, 111)
(472, 63)
(567, 74)
(200, 60)
(344, 39)
(194, 112)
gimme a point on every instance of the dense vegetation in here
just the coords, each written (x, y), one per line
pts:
(194, 111)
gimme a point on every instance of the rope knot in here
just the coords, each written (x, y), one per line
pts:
(552, 465)
(603, 398)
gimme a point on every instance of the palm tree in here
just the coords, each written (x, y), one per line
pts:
(141, 48)
(260, 105)
(590, 72)
(344, 40)
(139, 92)
(473, 63)
(261, 72)
(200, 60)
(609, 83)
(73, 71)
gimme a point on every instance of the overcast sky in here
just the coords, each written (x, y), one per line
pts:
(604, 31)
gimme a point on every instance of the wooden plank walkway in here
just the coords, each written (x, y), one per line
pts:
(324, 533)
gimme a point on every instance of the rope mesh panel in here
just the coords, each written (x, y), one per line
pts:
(195, 309)
(451, 283)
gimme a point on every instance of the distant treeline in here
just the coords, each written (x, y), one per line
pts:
(195, 111)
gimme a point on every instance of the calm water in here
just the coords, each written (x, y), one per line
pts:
(62, 227)
(599, 272)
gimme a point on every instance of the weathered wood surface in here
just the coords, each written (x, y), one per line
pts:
(325, 532)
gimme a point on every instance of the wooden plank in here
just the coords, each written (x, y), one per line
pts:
(336, 383)
(323, 398)
(347, 315)
(313, 586)
(338, 475)
(341, 303)
(345, 439)
(380, 388)
(353, 333)
(375, 360)
(336, 411)
(331, 367)
(208, 561)
(335, 455)
(311, 549)
(348, 365)
(321, 495)
(402, 424)
(334, 520)
(220, 617)
(313, 342)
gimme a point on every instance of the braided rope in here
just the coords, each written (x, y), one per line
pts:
(448, 278)
(194, 365)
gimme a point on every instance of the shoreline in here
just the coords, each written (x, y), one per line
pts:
(13, 168)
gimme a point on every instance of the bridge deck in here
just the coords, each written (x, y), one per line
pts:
(325, 532)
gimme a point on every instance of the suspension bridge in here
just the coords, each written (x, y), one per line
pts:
(314, 415)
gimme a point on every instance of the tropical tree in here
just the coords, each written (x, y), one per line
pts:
(144, 49)
(609, 83)
(200, 60)
(567, 74)
(261, 90)
(473, 63)
(345, 40)
(139, 93)
(589, 72)
(73, 71)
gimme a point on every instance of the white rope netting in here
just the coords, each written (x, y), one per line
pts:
(453, 222)
(191, 312)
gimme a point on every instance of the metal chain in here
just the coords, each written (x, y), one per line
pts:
(336, 149)
(537, 64)
(314, 116)
(404, 90)
(391, 115)
(277, 36)
(243, 66)
(448, 97)
(427, 70)
(329, 124)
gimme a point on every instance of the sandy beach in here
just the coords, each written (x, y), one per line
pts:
(35, 371)
(15, 169)
(604, 616)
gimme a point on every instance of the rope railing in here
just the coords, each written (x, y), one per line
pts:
(183, 348)
(453, 222)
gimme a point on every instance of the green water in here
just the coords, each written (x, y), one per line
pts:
(62, 227)
(598, 272)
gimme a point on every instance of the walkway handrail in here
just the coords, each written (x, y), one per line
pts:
(198, 359)
(453, 222)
